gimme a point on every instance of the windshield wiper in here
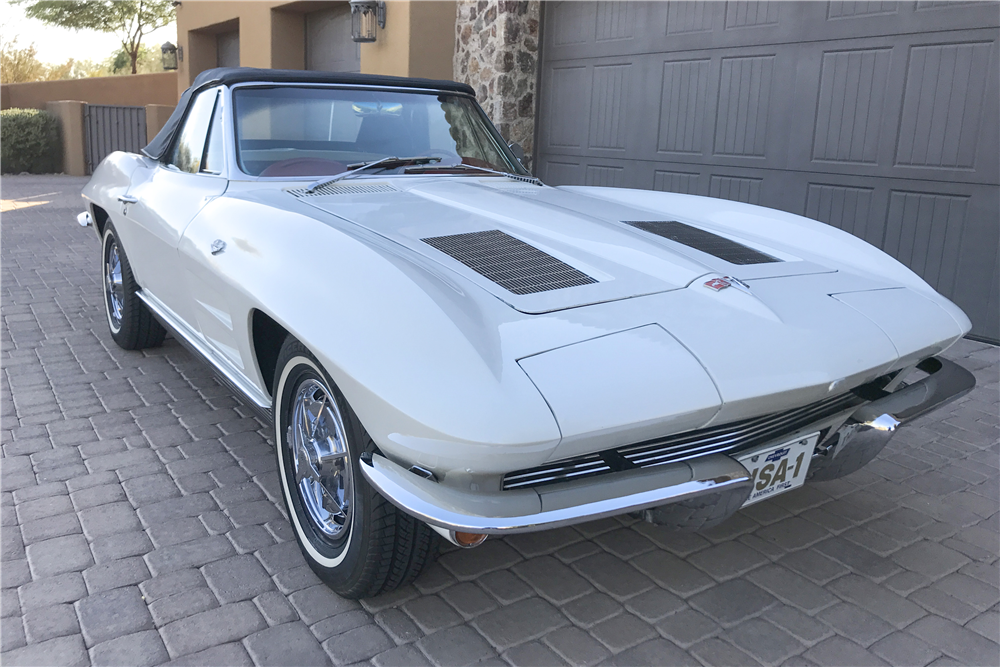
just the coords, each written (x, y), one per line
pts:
(516, 177)
(390, 162)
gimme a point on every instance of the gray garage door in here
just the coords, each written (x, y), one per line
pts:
(880, 118)
(329, 45)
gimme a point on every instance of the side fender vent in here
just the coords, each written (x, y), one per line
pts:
(707, 242)
(509, 262)
(345, 189)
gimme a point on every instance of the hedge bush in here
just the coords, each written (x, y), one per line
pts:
(29, 141)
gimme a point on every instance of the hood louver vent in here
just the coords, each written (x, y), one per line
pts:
(509, 262)
(338, 189)
(514, 188)
(707, 242)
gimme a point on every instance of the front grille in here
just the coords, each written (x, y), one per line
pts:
(509, 262)
(699, 239)
(725, 439)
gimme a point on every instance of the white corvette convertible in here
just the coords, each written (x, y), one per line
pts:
(443, 343)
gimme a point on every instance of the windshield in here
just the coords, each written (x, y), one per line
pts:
(292, 131)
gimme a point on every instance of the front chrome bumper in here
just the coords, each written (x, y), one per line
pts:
(528, 510)
(854, 442)
(872, 425)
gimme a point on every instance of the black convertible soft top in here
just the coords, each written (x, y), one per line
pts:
(230, 75)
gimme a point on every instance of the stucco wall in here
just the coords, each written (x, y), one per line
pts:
(127, 90)
(496, 52)
(411, 43)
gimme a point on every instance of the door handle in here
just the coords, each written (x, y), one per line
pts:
(128, 199)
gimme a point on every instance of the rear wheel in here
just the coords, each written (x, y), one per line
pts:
(132, 326)
(355, 540)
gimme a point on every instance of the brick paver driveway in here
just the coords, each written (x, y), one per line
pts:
(142, 524)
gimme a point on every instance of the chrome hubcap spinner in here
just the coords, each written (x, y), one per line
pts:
(320, 458)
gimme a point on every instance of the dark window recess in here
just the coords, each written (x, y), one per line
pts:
(509, 262)
(707, 242)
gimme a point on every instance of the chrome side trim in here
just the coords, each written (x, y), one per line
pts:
(429, 502)
(230, 376)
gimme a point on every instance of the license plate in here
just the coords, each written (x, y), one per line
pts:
(778, 469)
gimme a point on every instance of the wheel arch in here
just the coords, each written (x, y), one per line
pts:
(100, 217)
(266, 339)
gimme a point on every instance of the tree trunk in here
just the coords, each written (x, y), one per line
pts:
(134, 55)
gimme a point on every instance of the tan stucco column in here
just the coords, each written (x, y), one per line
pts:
(418, 40)
(70, 115)
(156, 118)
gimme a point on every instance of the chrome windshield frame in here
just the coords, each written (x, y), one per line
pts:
(237, 173)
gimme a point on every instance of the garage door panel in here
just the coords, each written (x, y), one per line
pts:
(850, 111)
(566, 91)
(744, 103)
(683, 182)
(924, 231)
(684, 99)
(684, 18)
(850, 208)
(329, 45)
(853, 10)
(562, 172)
(611, 90)
(942, 105)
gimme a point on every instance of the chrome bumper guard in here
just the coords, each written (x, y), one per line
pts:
(533, 509)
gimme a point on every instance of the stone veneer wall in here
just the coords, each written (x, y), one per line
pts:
(496, 52)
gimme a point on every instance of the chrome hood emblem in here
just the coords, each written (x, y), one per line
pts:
(718, 284)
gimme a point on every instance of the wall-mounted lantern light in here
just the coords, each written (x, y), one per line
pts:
(168, 52)
(365, 15)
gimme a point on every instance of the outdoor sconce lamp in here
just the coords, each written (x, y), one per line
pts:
(168, 52)
(365, 14)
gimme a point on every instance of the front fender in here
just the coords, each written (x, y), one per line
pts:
(111, 179)
(419, 356)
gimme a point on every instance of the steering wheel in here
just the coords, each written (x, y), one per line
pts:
(304, 166)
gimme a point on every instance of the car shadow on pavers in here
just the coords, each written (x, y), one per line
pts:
(142, 526)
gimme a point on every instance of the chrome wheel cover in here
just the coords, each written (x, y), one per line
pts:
(320, 458)
(113, 283)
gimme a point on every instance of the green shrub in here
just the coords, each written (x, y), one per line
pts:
(29, 141)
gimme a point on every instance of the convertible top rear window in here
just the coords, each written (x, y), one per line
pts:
(285, 131)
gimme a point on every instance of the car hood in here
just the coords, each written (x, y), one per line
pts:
(585, 234)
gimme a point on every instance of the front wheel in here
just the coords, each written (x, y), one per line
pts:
(132, 326)
(354, 539)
